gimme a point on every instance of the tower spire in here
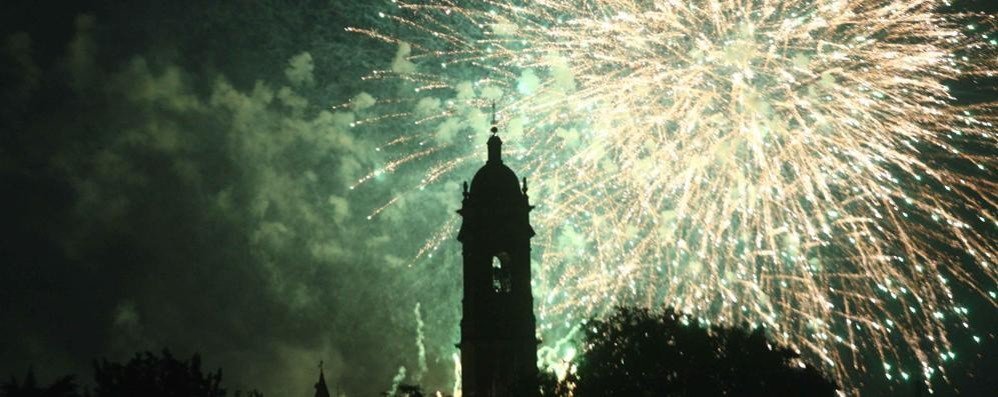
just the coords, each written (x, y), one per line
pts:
(494, 143)
(494, 123)
(321, 390)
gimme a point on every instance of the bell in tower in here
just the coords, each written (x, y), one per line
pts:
(498, 339)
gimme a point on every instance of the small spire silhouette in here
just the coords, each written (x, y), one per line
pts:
(321, 390)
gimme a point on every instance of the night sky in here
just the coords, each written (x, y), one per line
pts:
(173, 176)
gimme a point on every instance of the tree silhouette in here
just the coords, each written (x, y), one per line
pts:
(144, 375)
(153, 376)
(62, 387)
(639, 353)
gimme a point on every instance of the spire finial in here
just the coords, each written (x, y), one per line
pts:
(320, 365)
(494, 143)
(495, 124)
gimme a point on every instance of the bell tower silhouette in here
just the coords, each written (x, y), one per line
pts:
(498, 337)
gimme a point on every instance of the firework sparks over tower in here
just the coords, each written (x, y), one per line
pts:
(800, 166)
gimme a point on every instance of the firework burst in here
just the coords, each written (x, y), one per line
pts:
(797, 165)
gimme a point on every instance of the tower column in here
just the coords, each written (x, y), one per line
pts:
(498, 327)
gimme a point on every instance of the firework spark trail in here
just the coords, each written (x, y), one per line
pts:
(797, 165)
(421, 356)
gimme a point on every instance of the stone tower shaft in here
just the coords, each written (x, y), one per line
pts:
(498, 328)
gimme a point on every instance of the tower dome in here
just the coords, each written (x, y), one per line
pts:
(495, 180)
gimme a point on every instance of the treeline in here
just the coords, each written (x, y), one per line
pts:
(145, 374)
(631, 353)
(637, 352)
